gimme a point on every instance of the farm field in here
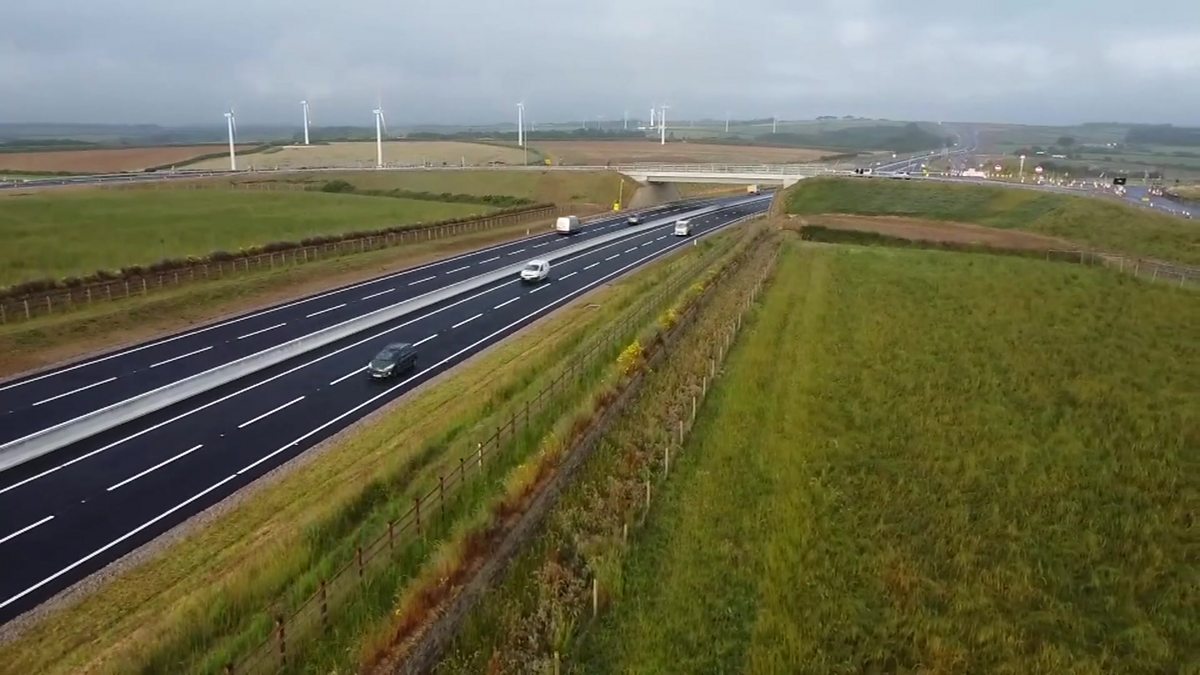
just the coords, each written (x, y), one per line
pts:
(78, 232)
(596, 153)
(1092, 222)
(361, 154)
(927, 461)
(106, 160)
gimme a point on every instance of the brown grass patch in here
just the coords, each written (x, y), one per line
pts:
(362, 154)
(106, 160)
(940, 231)
(628, 152)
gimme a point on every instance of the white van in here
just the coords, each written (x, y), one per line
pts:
(567, 224)
(683, 228)
(535, 271)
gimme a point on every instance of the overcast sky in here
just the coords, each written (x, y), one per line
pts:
(454, 61)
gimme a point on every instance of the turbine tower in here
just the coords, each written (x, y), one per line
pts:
(521, 124)
(651, 118)
(662, 125)
(232, 124)
(304, 107)
(380, 127)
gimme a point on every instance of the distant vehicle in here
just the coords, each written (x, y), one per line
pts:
(752, 189)
(902, 175)
(396, 358)
(863, 172)
(683, 228)
(567, 224)
(535, 271)
(633, 220)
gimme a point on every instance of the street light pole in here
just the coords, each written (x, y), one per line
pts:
(1021, 170)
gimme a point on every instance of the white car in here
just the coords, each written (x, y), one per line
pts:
(535, 271)
(683, 228)
(633, 220)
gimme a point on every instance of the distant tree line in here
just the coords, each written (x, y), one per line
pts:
(1163, 134)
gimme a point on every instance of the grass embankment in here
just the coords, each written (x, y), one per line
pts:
(54, 235)
(203, 600)
(1096, 223)
(352, 154)
(544, 602)
(935, 462)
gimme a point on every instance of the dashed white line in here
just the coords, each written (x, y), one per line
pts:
(567, 276)
(489, 260)
(327, 309)
(74, 391)
(546, 285)
(544, 243)
(631, 250)
(615, 255)
(181, 356)
(507, 302)
(661, 238)
(647, 243)
(520, 250)
(155, 467)
(270, 412)
(463, 323)
(27, 528)
(418, 343)
(348, 376)
(258, 332)
(376, 295)
(458, 269)
(116, 541)
(590, 266)
(421, 281)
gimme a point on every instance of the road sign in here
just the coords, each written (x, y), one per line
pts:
(998, 167)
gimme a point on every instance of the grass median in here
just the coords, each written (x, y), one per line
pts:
(930, 461)
(202, 602)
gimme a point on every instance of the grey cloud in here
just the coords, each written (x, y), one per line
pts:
(462, 62)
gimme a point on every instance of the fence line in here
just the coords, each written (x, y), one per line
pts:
(69, 299)
(429, 509)
(1154, 270)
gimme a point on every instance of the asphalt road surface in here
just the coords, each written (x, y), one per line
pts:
(68, 514)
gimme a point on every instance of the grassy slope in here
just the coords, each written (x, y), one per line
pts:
(77, 232)
(1097, 223)
(867, 493)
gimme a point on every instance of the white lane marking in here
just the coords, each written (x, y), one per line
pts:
(116, 541)
(591, 266)
(155, 467)
(181, 356)
(328, 309)
(463, 323)
(27, 528)
(507, 302)
(458, 269)
(376, 295)
(661, 238)
(544, 243)
(520, 250)
(567, 276)
(258, 332)
(615, 255)
(545, 285)
(270, 412)
(421, 281)
(421, 342)
(245, 389)
(647, 243)
(489, 260)
(74, 391)
(347, 376)
(631, 250)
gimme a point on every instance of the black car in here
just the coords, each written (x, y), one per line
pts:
(396, 358)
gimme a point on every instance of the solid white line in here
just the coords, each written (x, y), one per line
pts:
(257, 332)
(507, 302)
(463, 323)
(567, 276)
(154, 468)
(27, 528)
(517, 251)
(181, 356)
(74, 391)
(617, 255)
(489, 260)
(590, 266)
(116, 541)
(376, 295)
(270, 412)
(329, 309)
(421, 342)
(458, 269)
(347, 376)
(421, 281)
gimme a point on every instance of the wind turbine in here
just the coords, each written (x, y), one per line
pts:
(232, 124)
(726, 121)
(625, 121)
(380, 127)
(662, 125)
(304, 107)
(652, 118)
(521, 124)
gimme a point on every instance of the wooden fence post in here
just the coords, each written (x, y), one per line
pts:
(595, 596)
(26, 303)
(479, 449)
(324, 607)
(442, 495)
(391, 534)
(666, 459)
(417, 512)
(281, 638)
(358, 558)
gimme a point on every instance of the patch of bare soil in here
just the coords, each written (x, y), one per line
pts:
(940, 231)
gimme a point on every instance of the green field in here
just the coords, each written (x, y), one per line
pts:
(930, 462)
(78, 232)
(1091, 222)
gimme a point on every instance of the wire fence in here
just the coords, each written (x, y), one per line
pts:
(429, 509)
(70, 299)
(1152, 270)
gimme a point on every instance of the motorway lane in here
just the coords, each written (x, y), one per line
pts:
(58, 525)
(42, 400)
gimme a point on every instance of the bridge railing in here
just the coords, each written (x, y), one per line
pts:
(768, 169)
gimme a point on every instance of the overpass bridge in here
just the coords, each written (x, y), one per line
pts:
(784, 175)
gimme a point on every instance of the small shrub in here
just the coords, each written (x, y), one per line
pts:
(338, 187)
(631, 358)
